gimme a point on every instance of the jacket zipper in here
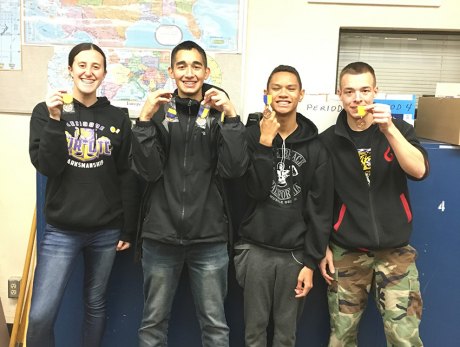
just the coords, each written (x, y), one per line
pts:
(371, 203)
(184, 187)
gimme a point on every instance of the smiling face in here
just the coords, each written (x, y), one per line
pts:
(356, 90)
(88, 72)
(286, 92)
(189, 72)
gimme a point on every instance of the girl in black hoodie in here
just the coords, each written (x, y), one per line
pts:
(81, 144)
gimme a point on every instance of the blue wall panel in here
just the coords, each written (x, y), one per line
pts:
(436, 237)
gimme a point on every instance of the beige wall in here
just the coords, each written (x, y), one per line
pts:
(17, 202)
(303, 35)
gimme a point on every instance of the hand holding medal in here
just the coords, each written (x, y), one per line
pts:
(269, 125)
(362, 112)
(381, 115)
(156, 99)
(218, 100)
(59, 102)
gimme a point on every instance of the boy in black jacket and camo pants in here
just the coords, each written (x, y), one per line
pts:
(373, 155)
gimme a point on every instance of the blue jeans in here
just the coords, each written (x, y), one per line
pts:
(57, 257)
(162, 266)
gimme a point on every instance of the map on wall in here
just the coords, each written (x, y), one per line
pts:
(155, 24)
(10, 35)
(131, 75)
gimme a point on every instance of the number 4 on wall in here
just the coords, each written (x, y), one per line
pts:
(442, 206)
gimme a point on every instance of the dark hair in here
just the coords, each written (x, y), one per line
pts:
(285, 68)
(86, 46)
(357, 68)
(188, 46)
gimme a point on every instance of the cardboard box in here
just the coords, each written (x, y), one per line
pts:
(438, 119)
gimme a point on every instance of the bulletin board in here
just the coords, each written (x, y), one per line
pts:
(143, 35)
(21, 90)
(429, 3)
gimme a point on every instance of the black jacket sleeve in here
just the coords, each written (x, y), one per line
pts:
(319, 210)
(130, 193)
(47, 142)
(259, 174)
(148, 151)
(233, 158)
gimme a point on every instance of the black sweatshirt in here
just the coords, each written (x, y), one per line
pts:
(291, 193)
(85, 157)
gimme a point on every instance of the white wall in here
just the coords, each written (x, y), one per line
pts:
(291, 32)
(306, 36)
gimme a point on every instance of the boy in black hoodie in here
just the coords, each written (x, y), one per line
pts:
(285, 232)
(184, 143)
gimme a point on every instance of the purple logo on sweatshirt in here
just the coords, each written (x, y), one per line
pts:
(85, 146)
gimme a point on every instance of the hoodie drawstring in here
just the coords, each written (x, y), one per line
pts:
(283, 153)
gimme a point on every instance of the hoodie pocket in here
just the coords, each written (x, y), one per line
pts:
(338, 223)
(406, 207)
(80, 205)
(241, 265)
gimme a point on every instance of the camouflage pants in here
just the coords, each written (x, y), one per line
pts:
(394, 276)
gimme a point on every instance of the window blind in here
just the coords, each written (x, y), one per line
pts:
(404, 62)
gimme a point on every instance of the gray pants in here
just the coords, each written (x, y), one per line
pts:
(268, 279)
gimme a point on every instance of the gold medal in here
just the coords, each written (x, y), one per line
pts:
(67, 98)
(67, 106)
(361, 111)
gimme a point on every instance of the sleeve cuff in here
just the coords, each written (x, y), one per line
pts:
(231, 120)
(310, 262)
(143, 123)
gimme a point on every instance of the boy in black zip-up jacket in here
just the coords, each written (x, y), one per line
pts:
(184, 143)
(373, 155)
(286, 229)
